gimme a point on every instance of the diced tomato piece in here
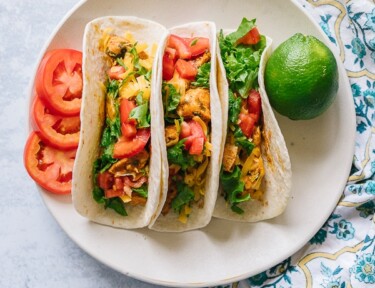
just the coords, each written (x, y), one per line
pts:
(191, 131)
(116, 72)
(111, 193)
(246, 123)
(105, 180)
(186, 69)
(252, 37)
(59, 81)
(49, 167)
(196, 147)
(185, 130)
(168, 67)
(181, 46)
(172, 53)
(58, 131)
(198, 45)
(128, 126)
(126, 147)
(254, 104)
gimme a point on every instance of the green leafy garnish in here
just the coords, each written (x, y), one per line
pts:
(233, 188)
(142, 191)
(179, 156)
(184, 195)
(203, 76)
(171, 99)
(138, 67)
(121, 63)
(243, 141)
(194, 42)
(241, 62)
(116, 204)
(234, 107)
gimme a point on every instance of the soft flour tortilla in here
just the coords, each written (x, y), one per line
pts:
(199, 217)
(277, 181)
(95, 63)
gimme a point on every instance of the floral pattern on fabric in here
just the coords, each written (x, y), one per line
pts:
(342, 253)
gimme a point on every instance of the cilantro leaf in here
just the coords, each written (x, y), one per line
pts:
(117, 205)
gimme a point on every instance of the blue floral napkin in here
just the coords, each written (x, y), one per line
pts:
(342, 253)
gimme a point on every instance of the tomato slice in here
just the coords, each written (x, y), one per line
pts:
(116, 72)
(198, 45)
(254, 104)
(58, 131)
(128, 126)
(168, 67)
(186, 69)
(59, 81)
(49, 167)
(126, 147)
(181, 46)
(252, 37)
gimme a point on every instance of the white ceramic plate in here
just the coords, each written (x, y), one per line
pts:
(321, 153)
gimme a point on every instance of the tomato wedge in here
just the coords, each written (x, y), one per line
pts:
(126, 147)
(181, 46)
(198, 45)
(59, 81)
(49, 167)
(246, 123)
(252, 37)
(186, 69)
(58, 131)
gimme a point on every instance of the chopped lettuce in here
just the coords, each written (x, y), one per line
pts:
(242, 141)
(241, 62)
(179, 156)
(234, 108)
(171, 99)
(203, 76)
(184, 196)
(233, 188)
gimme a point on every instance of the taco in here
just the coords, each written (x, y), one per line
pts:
(255, 177)
(116, 176)
(191, 121)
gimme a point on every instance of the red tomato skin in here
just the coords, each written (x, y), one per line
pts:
(60, 75)
(50, 177)
(196, 147)
(128, 126)
(131, 147)
(186, 69)
(181, 46)
(111, 193)
(252, 37)
(46, 123)
(198, 45)
(246, 123)
(105, 180)
(254, 104)
(171, 53)
(191, 131)
(185, 130)
(116, 72)
(168, 67)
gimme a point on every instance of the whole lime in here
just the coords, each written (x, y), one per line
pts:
(301, 77)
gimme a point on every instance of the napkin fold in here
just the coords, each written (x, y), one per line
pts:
(342, 253)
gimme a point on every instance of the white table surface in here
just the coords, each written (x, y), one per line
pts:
(34, 250)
